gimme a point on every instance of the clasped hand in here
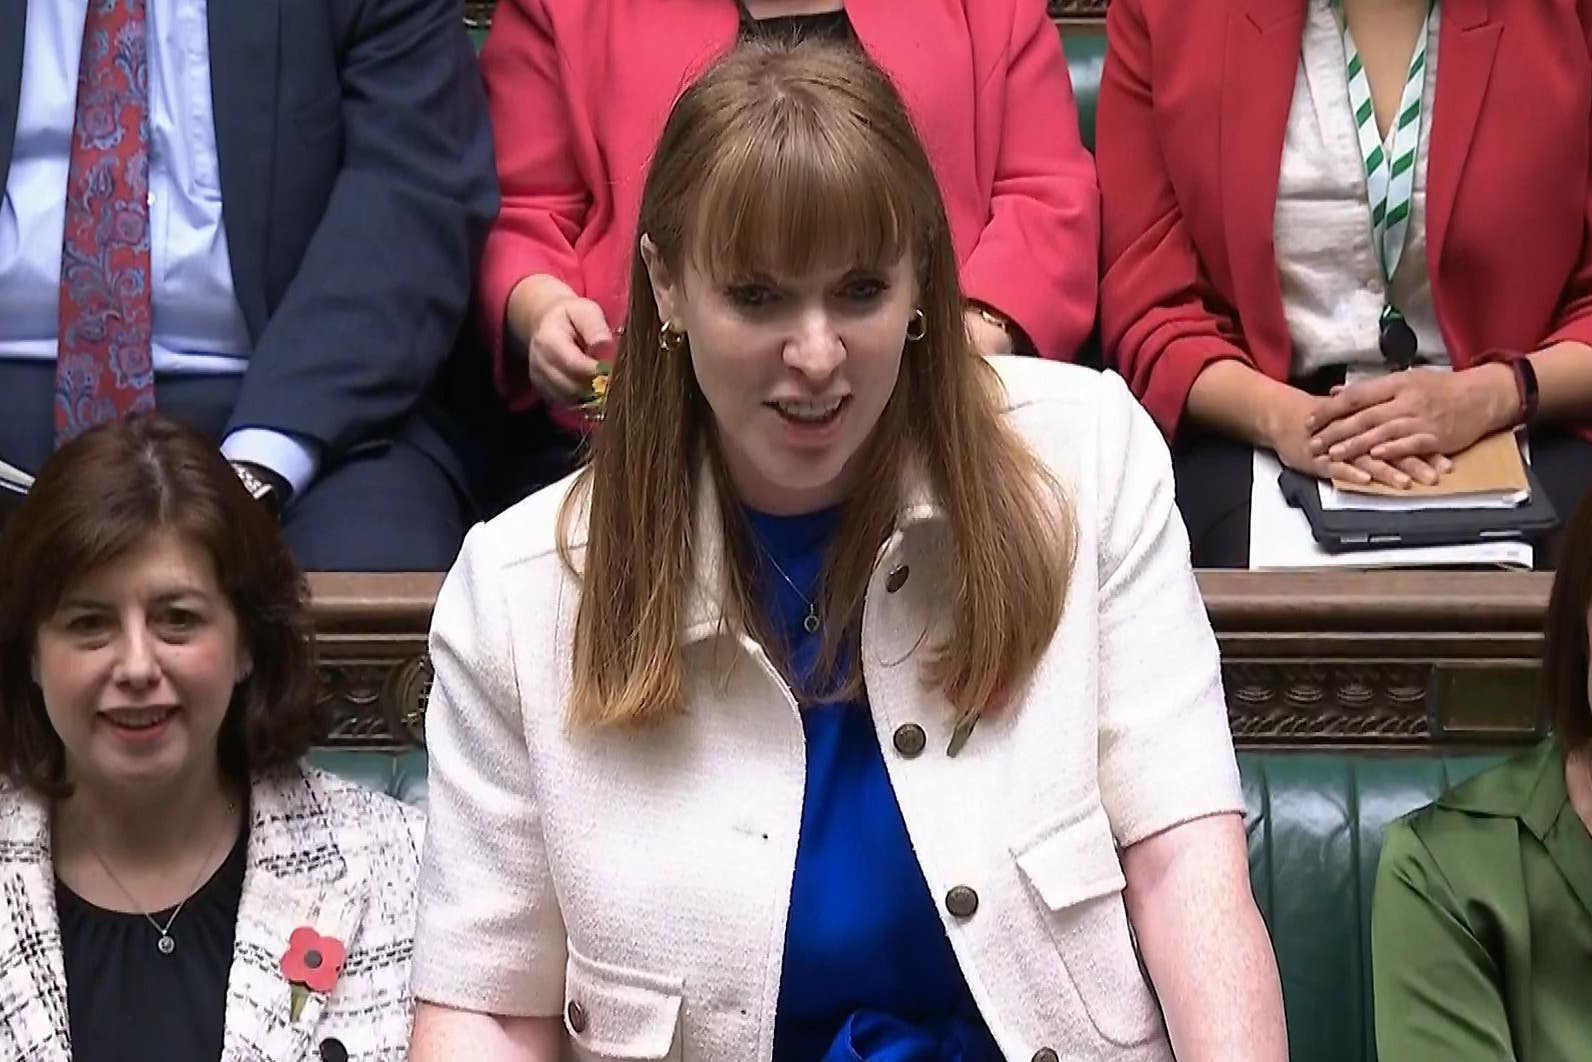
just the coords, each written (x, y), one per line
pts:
(1397, 429)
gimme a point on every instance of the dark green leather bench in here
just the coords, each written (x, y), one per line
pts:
(1315, 823)
(1086, 58)
(402, 774)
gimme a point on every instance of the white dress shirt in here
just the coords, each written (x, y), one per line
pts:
(1332, 289)
(198, 325)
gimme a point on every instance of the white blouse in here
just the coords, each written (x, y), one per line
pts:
(1332, 288)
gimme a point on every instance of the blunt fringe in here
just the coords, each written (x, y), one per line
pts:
(779, 158)
(96, 500)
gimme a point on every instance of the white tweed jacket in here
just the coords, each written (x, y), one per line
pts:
(322, 852)
(638, 883)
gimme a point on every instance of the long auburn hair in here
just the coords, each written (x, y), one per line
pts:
(782, 157)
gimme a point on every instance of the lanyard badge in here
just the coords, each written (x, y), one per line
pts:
(1389, 177)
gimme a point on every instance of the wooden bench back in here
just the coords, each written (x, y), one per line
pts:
(1345, 660)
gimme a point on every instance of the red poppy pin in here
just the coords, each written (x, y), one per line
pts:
(311, 964)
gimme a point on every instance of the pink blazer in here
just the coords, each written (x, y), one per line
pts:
(579, 91)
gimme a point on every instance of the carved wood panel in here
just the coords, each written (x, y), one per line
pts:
(1394, 661)
(371, 642)
(1303, 701)
(1079, 9)
(1391, 660)
(381, 704)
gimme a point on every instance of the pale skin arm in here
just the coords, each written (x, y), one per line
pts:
(1204, 943)
(442, 1034)
(1236, 400)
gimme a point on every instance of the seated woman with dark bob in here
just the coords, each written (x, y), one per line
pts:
(177, 884)
(1304, 197)
(1481, 925)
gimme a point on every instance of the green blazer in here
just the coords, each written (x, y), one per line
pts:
(1481, 924)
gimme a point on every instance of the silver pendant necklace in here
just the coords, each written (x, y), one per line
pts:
(811, 623)
(165, 943)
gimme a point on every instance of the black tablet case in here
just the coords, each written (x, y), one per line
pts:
(1345, 530)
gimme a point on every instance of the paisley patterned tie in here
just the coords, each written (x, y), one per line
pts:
(103, 366)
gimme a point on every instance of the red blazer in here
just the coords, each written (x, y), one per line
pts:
(579, 91)
(1193, 109)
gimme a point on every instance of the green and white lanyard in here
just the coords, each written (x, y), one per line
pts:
(1389, 174)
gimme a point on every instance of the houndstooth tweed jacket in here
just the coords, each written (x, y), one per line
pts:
(323, 852)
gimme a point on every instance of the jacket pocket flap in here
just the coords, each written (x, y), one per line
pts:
(618, 1012)
(1073, 862)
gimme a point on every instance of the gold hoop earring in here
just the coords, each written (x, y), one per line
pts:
(922, 324)
(671, 338)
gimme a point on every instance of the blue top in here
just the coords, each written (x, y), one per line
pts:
(869, 973)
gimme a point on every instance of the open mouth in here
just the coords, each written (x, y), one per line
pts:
(811, 412)
(138, 720)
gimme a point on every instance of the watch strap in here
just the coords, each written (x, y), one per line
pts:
(263, 485)
(1526, 387)
(993, 317)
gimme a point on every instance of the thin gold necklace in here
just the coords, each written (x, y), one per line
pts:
(166, 944)
(811, 623)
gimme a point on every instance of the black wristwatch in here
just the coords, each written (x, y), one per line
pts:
(1526, 389)
(263, 485)
(1518, 362)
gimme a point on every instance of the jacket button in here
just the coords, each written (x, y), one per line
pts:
(332, 1050)
(577, 1017)
(1045, 1054)
(961, 901)
(909, 739)
(897, 579)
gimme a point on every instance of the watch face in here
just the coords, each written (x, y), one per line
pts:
(993, 318)
(258, 488)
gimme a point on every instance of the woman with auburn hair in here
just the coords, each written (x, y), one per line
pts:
(1303, 199)
(1482, 918)
(578, 91)
(178, 885)
(857, 698)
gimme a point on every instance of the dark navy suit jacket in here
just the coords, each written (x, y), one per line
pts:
(357, 183)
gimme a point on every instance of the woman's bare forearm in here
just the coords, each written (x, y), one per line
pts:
(443, 1034)
(1239, 401)
(1204, 942)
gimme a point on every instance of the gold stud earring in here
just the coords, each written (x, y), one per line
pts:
(671, 338)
